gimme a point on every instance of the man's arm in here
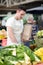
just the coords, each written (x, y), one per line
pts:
(11, 34)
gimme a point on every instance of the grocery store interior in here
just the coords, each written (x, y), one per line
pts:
(30, 51)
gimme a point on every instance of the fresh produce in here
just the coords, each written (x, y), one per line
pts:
(40, 33)
(17, 55)
(3, 34)
(39, 64)
(35, 63)
(39, 53)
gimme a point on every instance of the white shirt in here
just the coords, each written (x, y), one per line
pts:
(17, 26)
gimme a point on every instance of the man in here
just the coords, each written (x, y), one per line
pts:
(15, 27)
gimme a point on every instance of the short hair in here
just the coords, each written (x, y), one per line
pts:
(21, 8)
(30, 16)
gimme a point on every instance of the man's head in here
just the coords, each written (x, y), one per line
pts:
(20, 13)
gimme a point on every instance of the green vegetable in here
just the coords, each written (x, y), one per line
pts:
(30, 53)
(6, 56)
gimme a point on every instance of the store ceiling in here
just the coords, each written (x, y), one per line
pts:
(26, 4)
(10, 3)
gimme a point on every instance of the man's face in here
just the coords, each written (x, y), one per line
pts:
(21, 14)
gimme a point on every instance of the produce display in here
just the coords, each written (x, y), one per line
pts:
(38, 41)
(40, 33)
(18, 55)
(39, 53)
(3, 34)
